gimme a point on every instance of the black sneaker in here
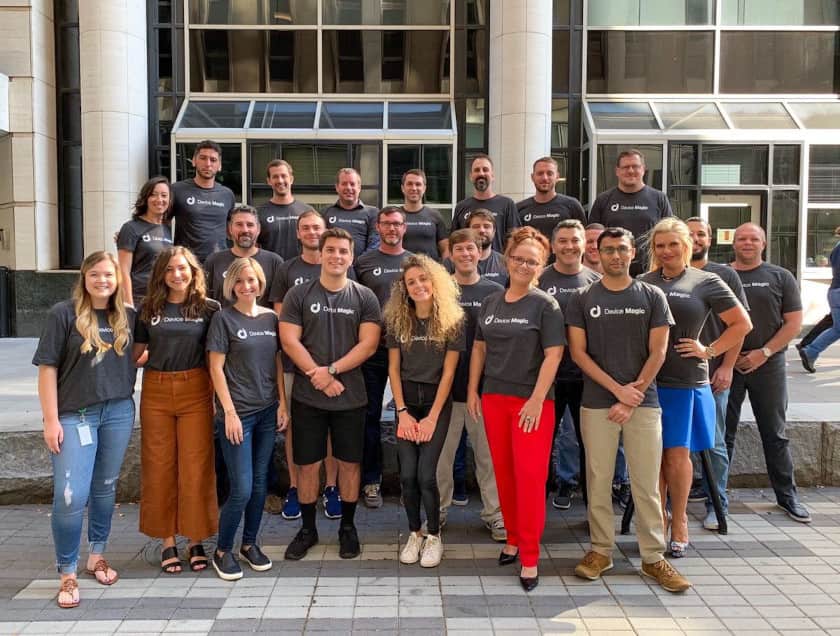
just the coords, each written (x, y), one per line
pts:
(348, 542)
(226, 566)
(256, 558)
(697, 494)
(796, 511)
(563, 499)
(300, 545)
(621, 494)
(807, 362)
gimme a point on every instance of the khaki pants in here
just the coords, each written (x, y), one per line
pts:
(643, 449)
(483, 463)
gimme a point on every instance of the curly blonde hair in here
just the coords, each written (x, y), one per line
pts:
(447, 315)
(86, 322)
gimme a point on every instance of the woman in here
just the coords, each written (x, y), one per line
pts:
(248, 380)
(85, 382)
(519, 341)
(685, 395)
(176, 409)
(810, 352)
(425, 334)
(146, 235)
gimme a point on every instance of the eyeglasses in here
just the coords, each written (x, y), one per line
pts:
(391, 223)
(518, 261)
(623, 250)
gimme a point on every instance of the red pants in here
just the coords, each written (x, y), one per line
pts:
(520, 461)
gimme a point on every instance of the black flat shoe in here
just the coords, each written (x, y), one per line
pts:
(507, 559)
(529, 582)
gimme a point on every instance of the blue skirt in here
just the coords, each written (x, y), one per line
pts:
(688, 417)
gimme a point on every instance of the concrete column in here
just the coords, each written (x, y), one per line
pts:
(114, 91)
(520, 91)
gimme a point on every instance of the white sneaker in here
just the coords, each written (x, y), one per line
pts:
(711, 521)
(497, 530)
(411, 552)
(432, 552)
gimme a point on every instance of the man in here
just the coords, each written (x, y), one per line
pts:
(546, 208)
(720, 369)
(591, 257)
(297, 271)
(349, 213)
(560, 280)
(491, 264)
(278, 216)
(243, 228)
(377, 270)
(464, 253)
(776, 311)
(425, 230)
(329, 327)
(631, 204)
(200, 206)
(621, 314)
(502, 208)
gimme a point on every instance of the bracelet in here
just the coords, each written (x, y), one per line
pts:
(402, 410)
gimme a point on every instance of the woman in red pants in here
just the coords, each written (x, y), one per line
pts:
(519, 341)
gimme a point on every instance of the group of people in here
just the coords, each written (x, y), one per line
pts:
(523, 313)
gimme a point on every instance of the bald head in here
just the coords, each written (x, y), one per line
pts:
(748, 245)
(751, 228)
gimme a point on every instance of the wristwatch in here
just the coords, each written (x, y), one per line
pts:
(402, 409)
(332, 370)
(767, 351)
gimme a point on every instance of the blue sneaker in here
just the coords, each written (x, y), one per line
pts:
(291, 507)
(332, 502)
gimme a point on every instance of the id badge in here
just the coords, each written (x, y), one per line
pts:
(85, 438)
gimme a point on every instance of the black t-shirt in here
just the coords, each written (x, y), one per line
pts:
(618, 325)
(421, 360)
(278, 227)
(472, 298)
(560, 287)
(771, 292)
(423, 230)
(201, 216)
(145, 241)
(330, 322)
(503, 209)
(714, 326)
(250, 345)
(360, 222)
(545, 216)
(492, 268)
(84, 379)
(693, 297)
(216, 268)
(516, 336)
(176, 343)
(378, 271)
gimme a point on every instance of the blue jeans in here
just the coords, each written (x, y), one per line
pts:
(375, 371)
(86, 476)
(718, 455)
(564, 454)
(247, 468)
(831, 335)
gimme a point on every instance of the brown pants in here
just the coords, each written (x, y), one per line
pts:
(178, 493)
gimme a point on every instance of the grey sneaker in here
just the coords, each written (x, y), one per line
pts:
(711, 521)
(497, 530)
(372, 496)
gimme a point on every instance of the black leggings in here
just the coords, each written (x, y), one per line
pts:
(418, 461)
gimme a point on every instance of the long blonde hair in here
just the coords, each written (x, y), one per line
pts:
(447, 315)
(86, 322)
(678, 227)
(157, 291)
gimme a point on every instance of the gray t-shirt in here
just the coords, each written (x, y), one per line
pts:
(201, 216)
(145, 241)
(360, 222)
(216, 268)
(176, 343)
(472, 298)
(618, 325)
(771, 292)
(714, 326)
(378, 271)
(544, 216)
(492, 268)
(423, 230)
(330, 322)
(693, 297)
(516, 336)
(84, 379)
(503, 209)
(250, 345)
(421, 360)
(561, 287)
(278, 227)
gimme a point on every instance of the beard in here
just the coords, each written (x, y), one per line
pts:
(701, 255)
(245, 242)
(481, 184)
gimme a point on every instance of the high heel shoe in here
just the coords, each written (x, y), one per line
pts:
(529, 582)
(507, 559)
(678, 549)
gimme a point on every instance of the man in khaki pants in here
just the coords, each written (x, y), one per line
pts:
(618, 334)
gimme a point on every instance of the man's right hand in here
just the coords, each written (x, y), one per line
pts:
(620, 413)
(630, 395)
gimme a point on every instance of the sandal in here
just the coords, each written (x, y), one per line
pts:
(71, 587)
(102, 566)
(198, 558)
(173, 567)
(678, 549)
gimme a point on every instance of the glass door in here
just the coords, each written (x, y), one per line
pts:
(724, 213)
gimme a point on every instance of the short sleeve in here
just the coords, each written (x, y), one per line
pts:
(512, 215)
(127, 238)
(660, 313)
(440, 227)
(141, 332)
(718, 295)
(459, 341)
(574, 310)
(665, 205)
(479, 324)
(791, 300)
(292, 307)
(279, 286)
(370, 308)
(577, 211)
(217, 335)
(597, 210)
(390, 341)
(552, 326)
(53, 341)
(737, 288)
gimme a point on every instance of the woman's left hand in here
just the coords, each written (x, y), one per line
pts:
(529, 415)
(425, 429)
(283, 419)
(690, 348)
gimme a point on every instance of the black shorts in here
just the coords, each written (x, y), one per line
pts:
(310, 426)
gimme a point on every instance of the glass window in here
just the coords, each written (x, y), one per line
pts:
(562, 159)
(477, 12)
(684, 203)
(820, 238)
(683, 115)
(428, 116)
(252, 12)
(649, 12)
(733, 165)
(352, 115)
(817, 114)
(779, 62)
(230, 174)
(622, 116)
(349, 12)
(758, 115)
(474, 123)
(824, 175)
(584, 177)
(650, 61)
(780, 12)
(785, 165)
(478, 59)
(283, 115)
(560, 10)
(560, 62)
(607, 155)
(559, 123)
(434, 160)
(215, 115)
(682, 168)
(784, 230)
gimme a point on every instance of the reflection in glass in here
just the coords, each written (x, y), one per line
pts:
(407, 12)
(430, 116)
(283, 115)
(683, 115)
(230, 174)
(784, 230)
(608, 154)
(256, 12)
(215, 115)
(682, 167)
(478, 57)
(785, 165)
(434, 160)
(758, 115)
(820, 239)
(622, 116)
(780, 12)
(478, 12)
(650, 12)
(562, 159)
(817, 114)
(560, 62)
(683, 203)
(559, 123)
(474, 123)
(352, 115)
(560, 12)
(824, 175)
(734, 165)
